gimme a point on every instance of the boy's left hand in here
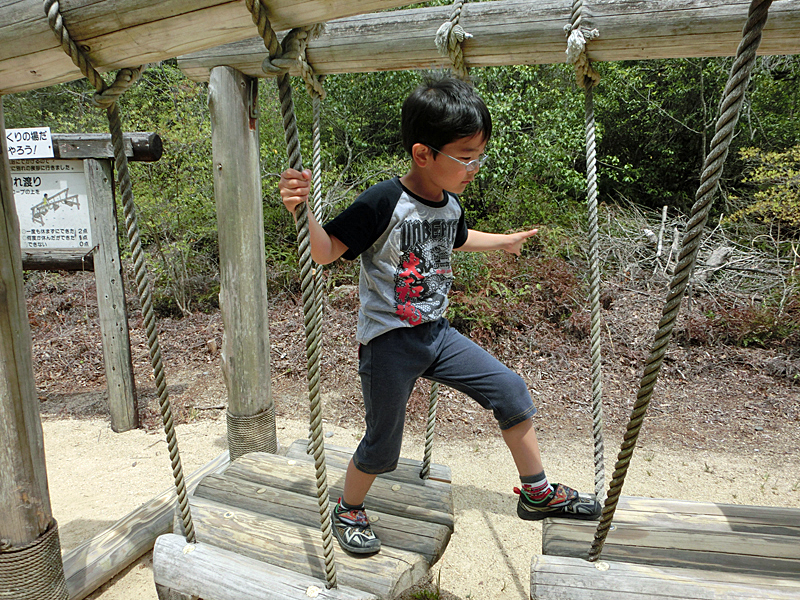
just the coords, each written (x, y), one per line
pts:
(515, 241)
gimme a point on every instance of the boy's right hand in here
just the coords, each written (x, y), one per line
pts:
(294, 187)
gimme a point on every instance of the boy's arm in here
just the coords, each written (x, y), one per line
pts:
(480, 241)
(294, 187)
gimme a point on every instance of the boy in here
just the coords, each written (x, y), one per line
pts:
(405, 229)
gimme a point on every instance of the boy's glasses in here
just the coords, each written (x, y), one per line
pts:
(470, 166)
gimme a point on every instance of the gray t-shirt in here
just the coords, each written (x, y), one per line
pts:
(405, 244)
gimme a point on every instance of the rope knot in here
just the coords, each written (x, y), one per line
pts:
(449, 38)
(123, 81)
(577, 37)
(292, 57)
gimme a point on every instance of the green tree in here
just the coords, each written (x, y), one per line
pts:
(775, 183)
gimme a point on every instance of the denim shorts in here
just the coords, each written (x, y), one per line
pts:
(390, 364)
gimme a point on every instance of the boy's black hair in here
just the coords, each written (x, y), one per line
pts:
(443, 110)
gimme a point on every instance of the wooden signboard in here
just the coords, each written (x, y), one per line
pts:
(67, 219)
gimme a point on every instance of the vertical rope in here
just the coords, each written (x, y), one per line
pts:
(294, 43)
(433, 403)
(106, 97)
(576, 54)
(310, 322)
(316, 207)
(449, 39)
(594, 301)
(733, 97)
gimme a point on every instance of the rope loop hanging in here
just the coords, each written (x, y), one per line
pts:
(282, 57)
(106, 97)
(730, 106)
(449, 39)
(576, 54)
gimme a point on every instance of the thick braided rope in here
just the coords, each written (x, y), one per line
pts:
(449, 38)
(107, 98)
(316, 208)
(310, 322)
(308, 284)
(433, 403)
(34, 571)
(594, 301)
(574, 33)
(733, 97)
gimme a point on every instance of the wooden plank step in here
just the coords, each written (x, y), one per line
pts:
(417, 501)
(773, 516)
(407, 470)
(299, 548)
(562, 578)
(419, 537)
(199, 569)
(685, 534)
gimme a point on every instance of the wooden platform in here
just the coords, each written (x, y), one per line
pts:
(561, 578)
(263, 508)
(676, 533)
(674, 549)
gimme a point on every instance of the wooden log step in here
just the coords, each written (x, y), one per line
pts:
(419, 537)
(299, 548)
(562, 578)
(749, 539)
(417, 501)
(408, 469)
(202, 570)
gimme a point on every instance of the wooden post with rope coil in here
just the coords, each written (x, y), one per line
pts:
(30, 552)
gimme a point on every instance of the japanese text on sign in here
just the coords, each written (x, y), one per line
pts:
(52, 204)
(31, 142)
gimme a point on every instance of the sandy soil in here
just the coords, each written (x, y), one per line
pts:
(97, 476)
(723, 425)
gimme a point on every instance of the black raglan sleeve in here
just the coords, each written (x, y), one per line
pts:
(364, 221)
(462, 231)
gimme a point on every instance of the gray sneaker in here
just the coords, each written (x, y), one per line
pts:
(352, 529)
(562, 502)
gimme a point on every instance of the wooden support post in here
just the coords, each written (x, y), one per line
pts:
(111, 296)
(233, 103)
(25, 512)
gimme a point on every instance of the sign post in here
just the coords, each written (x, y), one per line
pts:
(67, 216)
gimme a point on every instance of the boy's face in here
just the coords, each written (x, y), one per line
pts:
(447, 170)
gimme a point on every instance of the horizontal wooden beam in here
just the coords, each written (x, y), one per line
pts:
(519, 32)
(57, 260)
(129, 33)
(139, 146)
